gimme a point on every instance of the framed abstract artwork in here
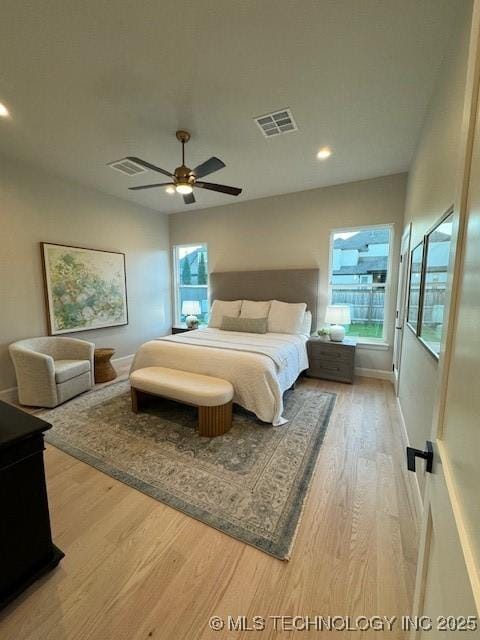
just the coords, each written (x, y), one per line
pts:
(84, 288)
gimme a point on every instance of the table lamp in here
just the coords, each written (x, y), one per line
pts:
(337, 315)
(190, 309)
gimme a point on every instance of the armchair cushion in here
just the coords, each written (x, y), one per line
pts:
(67, 369)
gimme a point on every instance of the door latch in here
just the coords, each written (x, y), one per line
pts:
(417, 453)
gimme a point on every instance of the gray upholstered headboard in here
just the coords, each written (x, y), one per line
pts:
(287, 285)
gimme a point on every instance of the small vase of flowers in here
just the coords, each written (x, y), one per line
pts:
(324, 332)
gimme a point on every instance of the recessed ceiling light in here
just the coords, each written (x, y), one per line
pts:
(324, 153)
(4, 112)
(170, 190)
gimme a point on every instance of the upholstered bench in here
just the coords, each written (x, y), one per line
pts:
(212, 396)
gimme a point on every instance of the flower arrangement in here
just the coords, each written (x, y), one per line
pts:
(324, 332)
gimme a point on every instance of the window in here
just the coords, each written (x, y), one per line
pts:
(191, 282)
(359, 277)
(437, 257)
(416, 264)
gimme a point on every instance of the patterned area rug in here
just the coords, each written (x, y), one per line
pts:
(250, 483)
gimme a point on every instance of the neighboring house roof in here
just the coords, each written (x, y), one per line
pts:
(438, 236)
(361, 240)
(364, 266)
(373, 264)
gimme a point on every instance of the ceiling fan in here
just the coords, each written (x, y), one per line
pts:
(185, 179)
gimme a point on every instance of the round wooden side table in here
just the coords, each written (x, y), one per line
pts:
(104, 372)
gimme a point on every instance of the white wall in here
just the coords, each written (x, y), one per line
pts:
(430, 192)
(36, 206)
(293, 231)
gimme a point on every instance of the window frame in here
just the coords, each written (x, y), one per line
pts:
(416, 328)
(387, 285)
(427, 241)
(176, 282)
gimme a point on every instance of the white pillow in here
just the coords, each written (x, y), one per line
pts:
(306, 324)
(222, 308)
(251, 309)
(285, 317)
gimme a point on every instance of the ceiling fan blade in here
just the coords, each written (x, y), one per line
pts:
(222, 188)
(150, 186)
(189, 198)
(209, 166)
(149, 165)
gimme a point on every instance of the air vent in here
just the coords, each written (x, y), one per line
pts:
(274, 124)
(127, 167)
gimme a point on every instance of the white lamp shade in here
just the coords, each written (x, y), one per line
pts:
(338, 314)
(191, 308)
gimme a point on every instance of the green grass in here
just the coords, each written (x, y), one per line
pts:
(432, 334)
(365, 330)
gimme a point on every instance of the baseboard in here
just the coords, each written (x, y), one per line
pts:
(9, 395)
(406, 443)
(374, 373)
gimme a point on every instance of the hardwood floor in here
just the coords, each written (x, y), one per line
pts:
(137, 569)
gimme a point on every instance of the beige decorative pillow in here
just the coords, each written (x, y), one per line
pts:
(222, 308)
(252, 309)
(246, 325)
(285, 317)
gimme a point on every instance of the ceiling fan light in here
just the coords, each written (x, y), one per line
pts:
(184, 189)
(4, 112)
(170, 189)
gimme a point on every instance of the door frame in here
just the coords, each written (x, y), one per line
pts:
(401, 305)
(461, 210)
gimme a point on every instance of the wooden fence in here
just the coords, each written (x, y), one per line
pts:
(368, 305)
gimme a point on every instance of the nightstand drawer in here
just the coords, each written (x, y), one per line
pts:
(342, 372)
(318, 351)
(324, 366)
(331, 354)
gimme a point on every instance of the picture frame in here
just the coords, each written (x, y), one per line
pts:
(85, 288)
(415, 287)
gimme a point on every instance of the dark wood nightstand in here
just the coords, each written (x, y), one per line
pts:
(331, 360)
(180, 329)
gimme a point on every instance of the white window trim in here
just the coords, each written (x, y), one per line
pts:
(374, 343)
(176, 310)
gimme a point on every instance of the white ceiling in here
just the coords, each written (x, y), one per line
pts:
(93, 81)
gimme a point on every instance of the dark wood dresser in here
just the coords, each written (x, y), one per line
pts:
(26, 547)
(331, 360)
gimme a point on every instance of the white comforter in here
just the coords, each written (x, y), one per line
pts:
(259, 366)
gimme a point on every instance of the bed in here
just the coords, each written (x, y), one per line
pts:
(261, 367)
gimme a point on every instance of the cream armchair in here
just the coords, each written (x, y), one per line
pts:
(52, 370)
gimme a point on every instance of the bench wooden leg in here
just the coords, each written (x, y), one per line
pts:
(135, 395)
(214, 421)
